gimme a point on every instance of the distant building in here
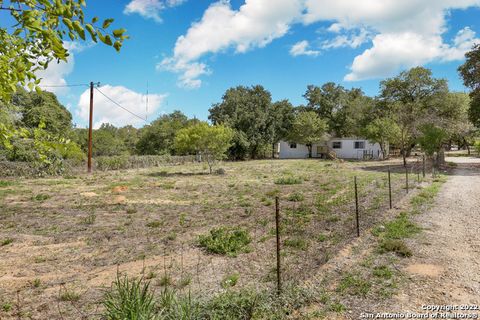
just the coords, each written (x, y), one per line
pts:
(343, 148)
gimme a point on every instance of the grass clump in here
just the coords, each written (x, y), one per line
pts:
(396, 246)
(5, 183)
(226, 240)
(296, 197)
(296, 243)
(399, 228)
(41, 197)
(69, 295)
(129, 299)
(382, 272)
(427, 195)
(154, 224)
(288, 180)
(6, 242)
(230, 280)
(354, 284)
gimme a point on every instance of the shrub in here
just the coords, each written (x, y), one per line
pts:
(228, 241)
(129, 299)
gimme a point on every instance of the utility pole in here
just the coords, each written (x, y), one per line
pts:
(90, 130)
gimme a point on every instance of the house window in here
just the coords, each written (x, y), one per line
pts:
(293, 146)
(359, 144)
(337, 144)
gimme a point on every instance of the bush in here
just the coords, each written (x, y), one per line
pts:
(228, 241)
(129, 299)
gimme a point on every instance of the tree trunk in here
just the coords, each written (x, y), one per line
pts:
(466, 145)
(309, 146)
(440, 157)
(273, 150)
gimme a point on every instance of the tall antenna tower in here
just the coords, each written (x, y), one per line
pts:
(146, 106)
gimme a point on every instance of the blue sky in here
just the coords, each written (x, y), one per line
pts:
(191, 51)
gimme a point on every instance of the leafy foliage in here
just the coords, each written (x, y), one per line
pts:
(308, 129)
(246, 110)
(37, 37)
(159, 136)
(209, 142)
(382, 131)
(470, 72)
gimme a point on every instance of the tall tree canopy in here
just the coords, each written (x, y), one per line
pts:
(408, 98)
(42, 107)
(338, 106)
(158, 137)
(470, 72)
(246, 110)
(35, 35)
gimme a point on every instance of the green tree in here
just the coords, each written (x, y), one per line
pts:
(36, 37)
(280, 120)
(210, 142)
(431, 141)
(382, 131)
(338, 106)
(159, 136)
(308, 128)
(42, 107)
(246, 110)
(408, 98)
(470, 72)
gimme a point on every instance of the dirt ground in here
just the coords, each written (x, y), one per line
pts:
(446, 268)
(63, 240)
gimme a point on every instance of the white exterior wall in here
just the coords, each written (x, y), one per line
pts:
(347, 151)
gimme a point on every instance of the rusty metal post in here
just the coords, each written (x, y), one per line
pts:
(90, 130)
(424, 166)
(277, 226)
(356, 207)
(390, 188)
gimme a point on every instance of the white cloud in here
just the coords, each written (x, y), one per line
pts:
(405, 33)
(107, 112)
(301, 48)
(255, 24)
(402, 33)
(150, 9)
(352, 39)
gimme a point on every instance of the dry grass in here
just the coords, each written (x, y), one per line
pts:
(84, 229)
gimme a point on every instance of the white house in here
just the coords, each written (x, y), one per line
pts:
(343, 148)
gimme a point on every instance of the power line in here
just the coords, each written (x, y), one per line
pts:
(63, 85)
(118, 105)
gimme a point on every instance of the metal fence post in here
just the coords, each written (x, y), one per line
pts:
(390, 188)
(356, 207)
(277, 225)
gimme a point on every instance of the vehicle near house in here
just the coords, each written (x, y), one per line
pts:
(342, 148)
